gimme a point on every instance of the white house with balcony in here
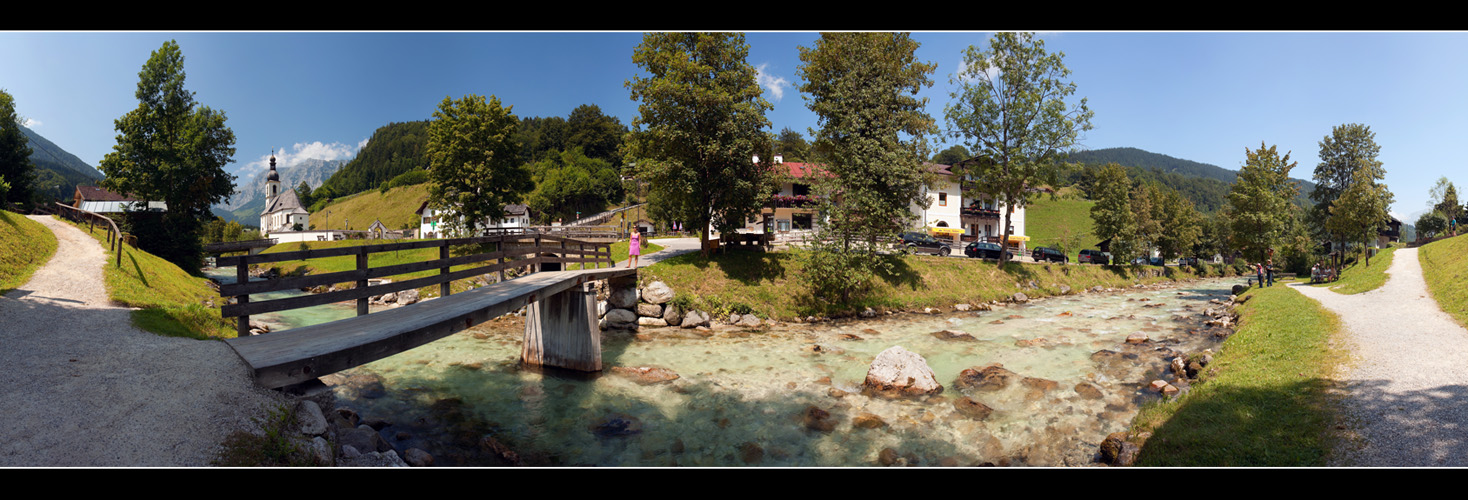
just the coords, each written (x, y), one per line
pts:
(432, 221)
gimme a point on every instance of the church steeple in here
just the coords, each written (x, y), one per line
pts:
(272, 182)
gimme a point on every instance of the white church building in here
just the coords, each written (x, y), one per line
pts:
(283, 210)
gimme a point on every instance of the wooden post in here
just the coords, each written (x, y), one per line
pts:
(443, 288)
(362, 283)
(242, 275)
(561, 331)
(500, 247)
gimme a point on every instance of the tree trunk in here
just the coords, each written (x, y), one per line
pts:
(1004, 238)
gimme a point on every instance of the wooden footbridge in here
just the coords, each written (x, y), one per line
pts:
(560, 324)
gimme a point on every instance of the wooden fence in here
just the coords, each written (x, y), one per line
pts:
(115, 236)
(511, 251)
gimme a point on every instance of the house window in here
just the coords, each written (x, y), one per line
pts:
(942, 199)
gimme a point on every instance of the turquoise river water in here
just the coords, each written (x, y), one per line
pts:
(744, 397)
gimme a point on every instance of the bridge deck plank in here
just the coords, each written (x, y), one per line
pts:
(300, 354)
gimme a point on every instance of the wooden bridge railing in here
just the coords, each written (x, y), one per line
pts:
(510, 252)
(115, 236)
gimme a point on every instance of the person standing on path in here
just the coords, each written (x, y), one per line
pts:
(1269, 271)
(1259, 274)
(634, 249)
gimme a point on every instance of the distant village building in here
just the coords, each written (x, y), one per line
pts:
(431, 221)
(98, 200)
(283, 211)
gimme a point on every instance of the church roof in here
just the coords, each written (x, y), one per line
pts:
(288, 202)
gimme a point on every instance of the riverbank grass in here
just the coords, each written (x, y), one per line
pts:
(27, 245)
(172, 302)
(1267, 399)
(1445, 269)
(1359, 277)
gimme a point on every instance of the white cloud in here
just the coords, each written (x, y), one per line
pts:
(285, 157)
(775, 84)
(30, 123)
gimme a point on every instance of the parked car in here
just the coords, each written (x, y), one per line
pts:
(924, 243)
(1046, 253)
(1148, 261)
(1187, 261)
(1094, 257)
(986, 250)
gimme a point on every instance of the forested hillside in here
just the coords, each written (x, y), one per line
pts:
(394, 149)
(57, 171)
(1205, 185)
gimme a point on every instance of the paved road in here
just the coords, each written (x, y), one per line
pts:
(1408, 383)
(82, 387)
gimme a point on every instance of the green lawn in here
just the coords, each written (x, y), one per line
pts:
(1359, 277)
(1061, 223)
(1264, 402)
(28, 246)
(1445, 269)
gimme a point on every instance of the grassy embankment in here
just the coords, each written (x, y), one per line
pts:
(1266, 401)
(172, 301)
(27, 245)
(1445, 269)
(395, 209)
(1064, 222)
(773, 285)
(1358, 277)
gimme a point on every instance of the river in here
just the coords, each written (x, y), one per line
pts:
(745, 397)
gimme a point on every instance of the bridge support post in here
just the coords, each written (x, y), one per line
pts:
(561, 331)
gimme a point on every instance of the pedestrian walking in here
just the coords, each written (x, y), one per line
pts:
(634, 249)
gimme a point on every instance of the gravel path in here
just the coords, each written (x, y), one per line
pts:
(1408, 384)
(82, 387)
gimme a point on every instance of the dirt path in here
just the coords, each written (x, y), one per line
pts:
(1408, 383)
(82, 387)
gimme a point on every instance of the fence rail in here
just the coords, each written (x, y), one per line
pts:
(511, 251)
(115, 236)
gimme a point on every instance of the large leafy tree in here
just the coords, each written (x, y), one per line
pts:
(1112, 213)
(1360, 210)
(474, 163)
(171, 149)
(16, 168)
(1444, 199)
(1180, 221)
(1011, 103)
(871, 143)
(952, 155)
(1259, 202)
(792, 146)
(573, 184)
(700, 126)
(1348, 150)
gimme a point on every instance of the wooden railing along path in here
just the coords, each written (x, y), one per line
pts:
(115, 236)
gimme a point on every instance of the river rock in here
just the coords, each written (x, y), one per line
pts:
(1019, 297)
(646, 375)
(695, 319)
(963, 307)
(618, 318)
(972, 409)
(868, 421)
(309, 418)
(653, 322)
(751, 453)
(362, 438)
(897, 372)
(953, 335)
(1239, 289)
(1136, 338)
(625, 298)
(616, 425)
(1039, 384)
(407, 297)
(657, 292)
(672, 315)
(1065, 289)
(748, 321)
(417, 458)
(649, 310)
(1088, 390)
(817, 419)
(1116, 450)
(988, 378)
(497, 449)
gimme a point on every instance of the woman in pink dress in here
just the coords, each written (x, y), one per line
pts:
(634, 249)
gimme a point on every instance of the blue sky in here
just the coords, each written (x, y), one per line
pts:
(1201, 96)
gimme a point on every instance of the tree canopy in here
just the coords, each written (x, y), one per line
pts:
(1258, 204)
(1350, 151)
(863, 88)
(700, 125)
(16, 168)
(474, 161)
(573, 184)
(174, 150)
(1010, 103)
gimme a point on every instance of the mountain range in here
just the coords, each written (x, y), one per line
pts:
(58, 172)
(249, 197)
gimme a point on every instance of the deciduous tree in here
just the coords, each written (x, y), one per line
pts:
(16, 168)
(701, 123)
(1360, 210)
(871, 143)
(1112, 213)
(1011, 103)
(1258, 202)
(473, 161)
(1349, 149)
(174, 150)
